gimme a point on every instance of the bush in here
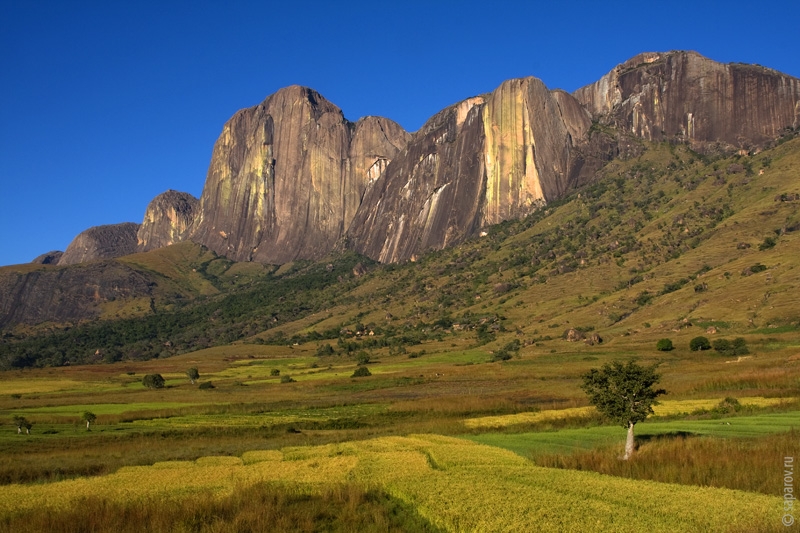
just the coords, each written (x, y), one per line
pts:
(361, 372)
(206, 385)
(153, 381)
(664, 345)
(362, 358)
(287, 379)
(768, 243)
(274, 372)
(727, 406)
(737, 346)
(325, 349)
(699, 343)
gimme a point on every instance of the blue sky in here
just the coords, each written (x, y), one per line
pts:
(105, 104)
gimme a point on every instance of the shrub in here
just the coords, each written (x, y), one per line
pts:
(727, 406)
(699, 343)
(736, 347)
(325, 349)
(206, 385)
(768, 243)
(153, 381)
(361, 372)
(664, 345)
(274, 372)
(287, 379)
(362, 358)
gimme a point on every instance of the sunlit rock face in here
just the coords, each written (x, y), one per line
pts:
(687, 97)
(166, 220)
(287, 176)
(484, 160)
(101, 242)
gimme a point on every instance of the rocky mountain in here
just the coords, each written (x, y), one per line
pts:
(479, 162)
(66, 294)
(287, 176)
(101, 242)
(291, 178)
(166, 220)
(687, 97)
(50, 258)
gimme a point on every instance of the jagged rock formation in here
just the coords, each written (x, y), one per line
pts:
(687, 97)
(287, 176)
(58, 294)
(166, 220)
(487, 159)
(101, 242)
(50, 258)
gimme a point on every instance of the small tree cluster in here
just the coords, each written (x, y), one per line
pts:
(22, 423)
(361, 372)
(737, 346)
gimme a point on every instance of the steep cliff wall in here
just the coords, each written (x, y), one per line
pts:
(487, 159)
(286, 178)
(166, 220)
(685, 96)
(101, 242)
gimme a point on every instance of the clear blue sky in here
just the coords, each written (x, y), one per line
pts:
(105, 104)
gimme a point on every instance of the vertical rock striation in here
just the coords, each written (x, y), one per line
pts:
(479, 162)
(287, 176)
(101, 242)
(166, 220)
(687, 97)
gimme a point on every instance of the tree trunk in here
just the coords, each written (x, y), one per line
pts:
(19, 430)
(87, 425)
(629, 443)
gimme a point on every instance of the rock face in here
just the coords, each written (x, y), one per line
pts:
(479, 162)
(166, 220)
(101, 242)
(57, 294)
(50, 258)
(287, 176)
(687, 97)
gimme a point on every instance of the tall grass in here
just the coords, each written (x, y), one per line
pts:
(737, 463)
(261, 507)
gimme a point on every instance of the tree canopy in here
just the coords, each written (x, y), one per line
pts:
(624, 393)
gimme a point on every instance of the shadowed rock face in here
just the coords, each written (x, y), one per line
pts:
(50, 258)
(101, 242)
(487, 159)
(166, 220)
(70, 294)
(685, 96)
(287, 176)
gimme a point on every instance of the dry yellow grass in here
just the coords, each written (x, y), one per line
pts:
(456, 484)
(665, 408)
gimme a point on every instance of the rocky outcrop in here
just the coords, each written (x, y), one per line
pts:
(487, 159)
(50, 258)
(687, 97)
(166, 220)
(59, 294)
(287, 176)
(101, 242)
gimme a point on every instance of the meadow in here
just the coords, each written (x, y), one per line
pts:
(472, 417)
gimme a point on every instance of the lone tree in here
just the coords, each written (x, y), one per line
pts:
(193, 375)
(22, 422)
(88, 417)
(623, 393)
(153, 381)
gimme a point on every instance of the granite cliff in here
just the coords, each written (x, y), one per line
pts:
(686, 97)
(287, 176)
(166, 220)
(101, 242)
(482, 161)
